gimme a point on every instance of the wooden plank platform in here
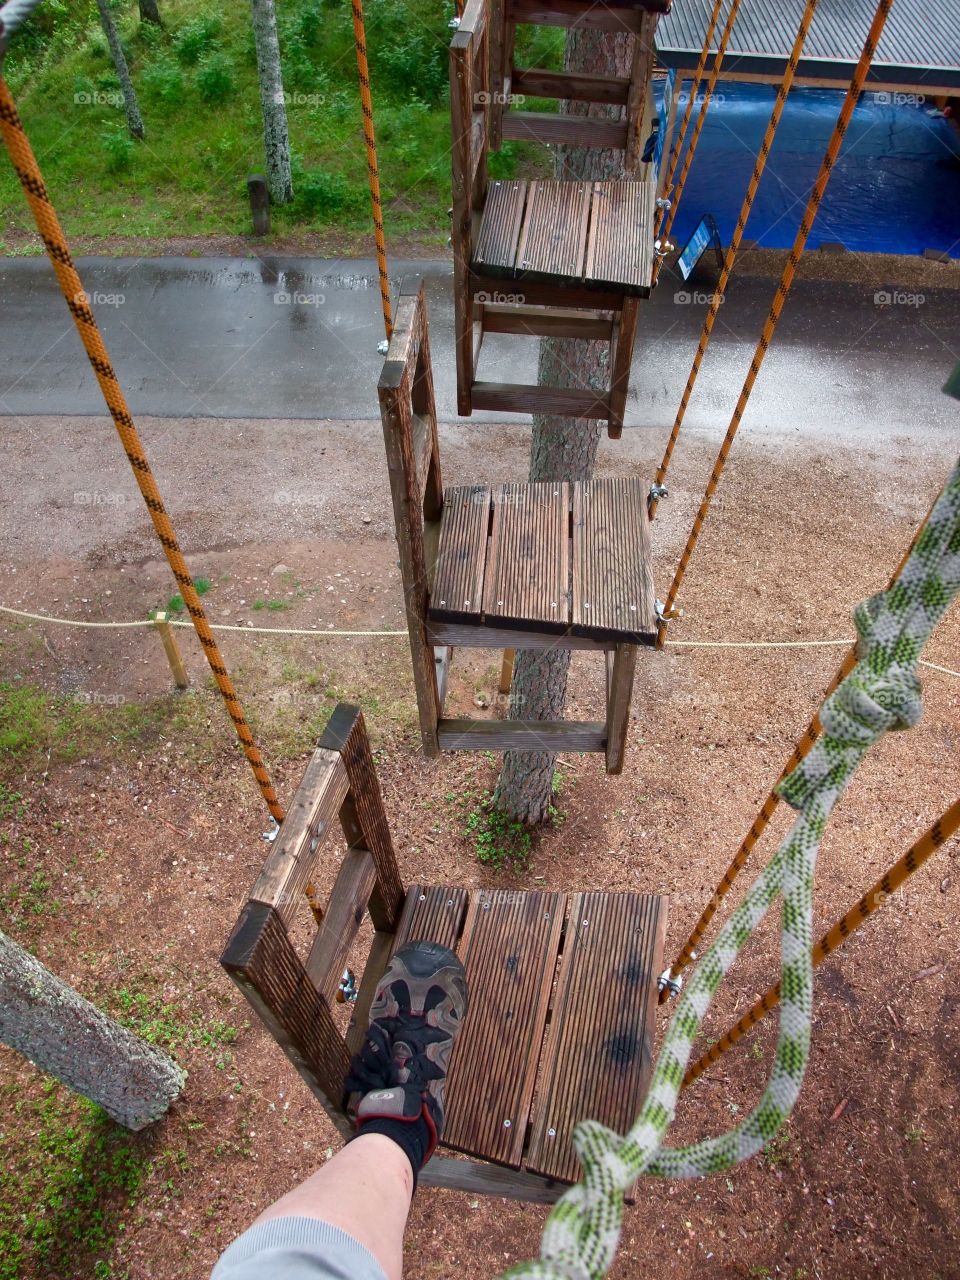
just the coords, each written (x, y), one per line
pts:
(598, 235)
(539, 1054)
(457, 593)
(509, 948)
(528, 557)
(613, 593)
(598, 1050)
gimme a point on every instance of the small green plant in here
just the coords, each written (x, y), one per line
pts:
(163, 81)
(915, 1133)
(497, 840)
(778, 1152)
(215, 79)
(197, 38)
(756, 1050)
(176, 603)
(318, 193)
(118, 145)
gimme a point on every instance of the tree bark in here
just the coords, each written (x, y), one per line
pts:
(562, 448)
(276, 137)
(149, 12)
(63, 1034)
(134, 118)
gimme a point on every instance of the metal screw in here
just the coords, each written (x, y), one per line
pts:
(449, 902)
(507, 1123)
(551, 1133)
(546, 915)
(486, 906)
(423, 897)
(584, 923)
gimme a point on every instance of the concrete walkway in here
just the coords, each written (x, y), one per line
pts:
(297, 338)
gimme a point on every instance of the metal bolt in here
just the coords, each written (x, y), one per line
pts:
(507, 1123)
(584, 923)
(551, 1133)
(449, 902)
(486, 906)
(546, 915)
(423, 897)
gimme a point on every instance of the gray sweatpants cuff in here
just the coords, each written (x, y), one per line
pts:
(297, 1249)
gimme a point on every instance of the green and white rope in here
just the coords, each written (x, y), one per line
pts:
(882, 693)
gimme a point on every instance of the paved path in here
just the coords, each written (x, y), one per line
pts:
(297, 338)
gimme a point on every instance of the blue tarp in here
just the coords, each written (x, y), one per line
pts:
(895, 188)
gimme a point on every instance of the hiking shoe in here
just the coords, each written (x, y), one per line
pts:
(401, 1071)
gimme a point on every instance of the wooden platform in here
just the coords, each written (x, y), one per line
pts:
(563, 990)
(597, 235)
(569, 559)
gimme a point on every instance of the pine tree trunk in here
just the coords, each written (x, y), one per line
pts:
(134, 118)
(562, 448)
(149, 12)
(63, 1034)
(276, 138)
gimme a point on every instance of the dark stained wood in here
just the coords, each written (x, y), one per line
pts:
(612, 580)
(598, 1050)
(433, 913)
(311, 814)
(538, 322)
(490, 1180)
(528, 557)
(468, 171)
(621, 667)
(500, 226)
(554, 232)
(262, 962)
(621, 360)
(620, 243)
(362, 814)
(457, 593)
(549, 293)
(509, 949)
(535, 82)
(574, 13)
(640, 107)
(381, 949)
(341, 921)
(522, 735)
(560, 130)
(515, 397)
(480, 637)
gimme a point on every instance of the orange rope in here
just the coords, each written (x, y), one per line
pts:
(779, 298)
(373, 170)
(688, 110)
(731, 257)
(671, 213)
(31, 179)
(933, 838)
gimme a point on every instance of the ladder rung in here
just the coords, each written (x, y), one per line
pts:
(535, 82)
(574, 131)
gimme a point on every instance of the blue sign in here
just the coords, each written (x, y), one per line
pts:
(665, 109)
(704, 236)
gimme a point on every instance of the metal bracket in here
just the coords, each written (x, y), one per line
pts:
(668, 983)
(272, 834)
(662, 616)
(454, 24)
(383, 346)
(658, 491)
(664, 203)
(662, 247)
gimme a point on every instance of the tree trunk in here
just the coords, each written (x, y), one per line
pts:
(149, 12)
(134, 118)
(276, 138)
(65, 1035)
(562, 448)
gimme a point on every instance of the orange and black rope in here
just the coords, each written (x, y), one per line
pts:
(676, 195)
(779, 298)
(31, 180)
(932, 839)
(373, 170)
(745, 209)
(688, 109)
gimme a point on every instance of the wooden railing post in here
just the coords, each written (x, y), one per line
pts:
(171, 649)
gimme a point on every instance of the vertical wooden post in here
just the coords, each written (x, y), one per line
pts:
(180, 677)
(506, 670)
(259, 204)
(619, 695)
(621, 359)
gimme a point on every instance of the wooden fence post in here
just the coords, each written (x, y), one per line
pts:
(180, 677)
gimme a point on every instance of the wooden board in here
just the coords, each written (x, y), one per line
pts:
(509, 947)
(434, 914)
(528, 559)
(564, 130)
(554, 233)
(575, 13)
(538, 82)
(518, 397)
(620, 242)
(499, 232)
(598, 1051)
(522, 735)
(613, 592)
(458, 578)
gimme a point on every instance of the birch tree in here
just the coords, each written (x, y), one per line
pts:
(134, 118)
(562, 448)
(276, 138)
(68, 1037)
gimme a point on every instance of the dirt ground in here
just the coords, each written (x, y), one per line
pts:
(147, 830)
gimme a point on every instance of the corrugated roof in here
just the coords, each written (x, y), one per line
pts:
(920, 43)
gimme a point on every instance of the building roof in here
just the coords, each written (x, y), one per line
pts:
(919, 48)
